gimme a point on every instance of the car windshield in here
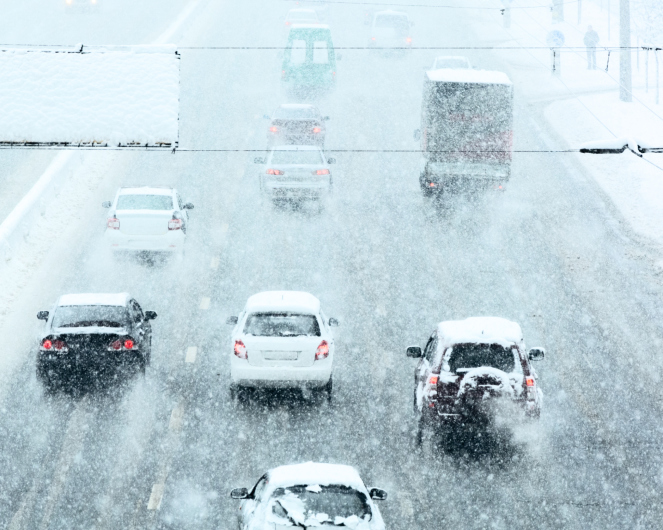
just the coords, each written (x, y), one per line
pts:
(281, 325)
(85, 316)
(477, 355)
(296, 113)
(316, 505)
(304, 156)
(144, 202)
(397, 22)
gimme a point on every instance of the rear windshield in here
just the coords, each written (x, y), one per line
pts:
(398, 22)
(281, 325)
(84, 316)
(297, 157)
(144, 202)
(297, 113)
(477, 355)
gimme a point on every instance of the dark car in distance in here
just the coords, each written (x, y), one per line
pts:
(92, 338)
(297, 124)
(472, 369)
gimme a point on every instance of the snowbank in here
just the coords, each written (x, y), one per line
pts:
(106, 96)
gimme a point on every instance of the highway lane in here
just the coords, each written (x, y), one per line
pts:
(390, 265)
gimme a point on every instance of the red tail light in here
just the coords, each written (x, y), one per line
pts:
(47, 344)
(409, 40)
(60, 345)
(372, 38)
(128, 344)
(274, 129)
(432, 380)
(116, 345)
(175, 224)
(322, 352)
(113, 223)
(240, 350)
(274, 172)
(529, 381)
(121, 344)
(321, 172)
(316, 130)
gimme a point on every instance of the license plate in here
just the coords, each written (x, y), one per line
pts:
(280, 355)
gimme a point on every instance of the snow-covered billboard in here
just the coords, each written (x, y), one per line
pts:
(102, 96)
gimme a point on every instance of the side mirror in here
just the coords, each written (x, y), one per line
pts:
(325, 118)
(333, 323)
(417, 134)
(258, 160)
(42, 315)
(106, 204)
(232, 321)
(414, 352)
(331, 160)
(377, 494)
(239, 493)
(150, 315)
(187, 206)
(537, 354)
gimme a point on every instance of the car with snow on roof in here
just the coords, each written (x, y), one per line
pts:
(91, 337)
(147, 219)
(470, 369)
(282, 339)
(299, 172)
(390, 29)
(297, 124)
(310, 495)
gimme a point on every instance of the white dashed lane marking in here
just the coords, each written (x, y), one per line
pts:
(191, 353)
(205, 302)
(214, 264)
(176, 418)
(155, 497)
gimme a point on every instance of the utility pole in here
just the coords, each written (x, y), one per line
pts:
(625, 52)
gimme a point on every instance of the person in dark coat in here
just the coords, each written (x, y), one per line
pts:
(591, 40)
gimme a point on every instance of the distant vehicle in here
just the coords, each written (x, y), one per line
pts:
(310, 495)
(466, 131)
(469, 368)
(296, 172)
(321, 7)
(301, 16)
(282, 339)
(93, 337)
(299, 124)
(309, 61)
(147, 219)
(390, 29)
(451, 61)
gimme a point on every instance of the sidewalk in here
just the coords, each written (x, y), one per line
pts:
(583, 105)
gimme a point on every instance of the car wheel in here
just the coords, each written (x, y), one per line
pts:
(329, 389)
(415, 409)
(419, 434)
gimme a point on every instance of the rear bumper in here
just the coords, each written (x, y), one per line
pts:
(243, 374)
(69, 368)
(171, 241)
(288, 190)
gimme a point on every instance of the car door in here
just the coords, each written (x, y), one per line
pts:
(142, 327)
(424, 368)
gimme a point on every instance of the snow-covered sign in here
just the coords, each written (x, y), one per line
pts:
(100, 96)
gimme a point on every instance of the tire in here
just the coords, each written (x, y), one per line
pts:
(419, 435)
(329, 388)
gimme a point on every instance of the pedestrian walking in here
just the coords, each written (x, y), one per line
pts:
(591, 40)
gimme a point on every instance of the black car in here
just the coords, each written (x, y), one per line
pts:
(89, 338)
(299, 124)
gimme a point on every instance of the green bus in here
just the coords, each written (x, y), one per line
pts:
(309, 61)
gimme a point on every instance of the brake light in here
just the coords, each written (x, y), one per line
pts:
(273, 129)
(432, 380)
(372, 38)
(240, 350)
(116, 345)
(60, 345)
(46, 345)
(316, 130)
(113, 223)
(409, 40)
(175, 224)
(322, 352)
(122, 344)
(274, 172)
(321, 172)
(128, 344)
(529, 381)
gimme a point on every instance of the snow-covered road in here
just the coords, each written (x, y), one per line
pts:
(550, 254)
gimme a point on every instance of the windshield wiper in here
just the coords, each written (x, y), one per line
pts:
(289, 517)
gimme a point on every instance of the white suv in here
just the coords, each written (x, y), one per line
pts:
(282, 339)
(147, 219)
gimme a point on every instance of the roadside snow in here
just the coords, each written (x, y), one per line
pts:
(115, 96)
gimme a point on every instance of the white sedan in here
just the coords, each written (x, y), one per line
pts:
(282, 339)
(296, 172)
(147, 219)
(309, 495)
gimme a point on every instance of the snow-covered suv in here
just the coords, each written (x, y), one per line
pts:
(471, 368)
